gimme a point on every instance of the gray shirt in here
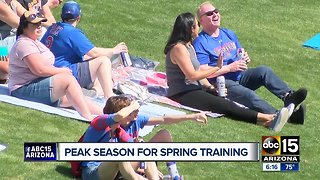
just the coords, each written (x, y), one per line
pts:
(176, 80)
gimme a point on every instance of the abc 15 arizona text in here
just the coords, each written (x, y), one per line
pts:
(280, 149)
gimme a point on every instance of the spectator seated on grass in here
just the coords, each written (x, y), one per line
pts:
(186, 81)
(89, 64)
(33, 76)
(241, 81)
(121, 115)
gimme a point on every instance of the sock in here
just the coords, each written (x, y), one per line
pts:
(172, 168)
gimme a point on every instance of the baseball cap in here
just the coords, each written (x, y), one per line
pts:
(31, 17)
(70, 10)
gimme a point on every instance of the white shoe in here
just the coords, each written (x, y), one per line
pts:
(290, 108)
(281, 118)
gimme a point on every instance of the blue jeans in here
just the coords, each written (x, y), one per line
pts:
(39, 90)
(90, 173)
(244, 91)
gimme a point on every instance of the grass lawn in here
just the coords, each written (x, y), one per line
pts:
(272, 31)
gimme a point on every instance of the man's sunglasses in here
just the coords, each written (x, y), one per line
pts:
(210, 13)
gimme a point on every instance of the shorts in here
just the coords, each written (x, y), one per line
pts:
(39, 90)
(84, 76)
(90, 172)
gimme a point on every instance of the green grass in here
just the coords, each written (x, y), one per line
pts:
(272, 31)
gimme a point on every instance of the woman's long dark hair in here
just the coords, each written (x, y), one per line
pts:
(182, 30)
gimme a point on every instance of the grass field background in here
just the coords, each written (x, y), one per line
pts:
(272, 31)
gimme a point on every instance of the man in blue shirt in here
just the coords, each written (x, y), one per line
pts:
(241, 81)
(74, 50)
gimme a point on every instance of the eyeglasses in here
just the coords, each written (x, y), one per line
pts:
(210, 13)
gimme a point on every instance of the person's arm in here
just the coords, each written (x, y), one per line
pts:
(109, 52)
(8, 16)
(35, 63)
(48, 15)
(172, 119)
(221, 71)
(206, 84)
(233, 67)
(126, 111)
(19, 8)
(179, 55)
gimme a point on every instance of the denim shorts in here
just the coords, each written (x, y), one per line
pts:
(90, 172)
(84, 75)
(39, 90)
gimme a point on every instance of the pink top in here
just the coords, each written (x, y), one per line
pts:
(19, 72)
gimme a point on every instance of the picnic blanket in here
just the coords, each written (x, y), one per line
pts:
(147, 85)
(313, 42)
(148, 109)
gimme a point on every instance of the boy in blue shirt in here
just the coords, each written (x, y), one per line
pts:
(121, 123)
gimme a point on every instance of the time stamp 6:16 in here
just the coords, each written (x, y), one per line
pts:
(281, 167)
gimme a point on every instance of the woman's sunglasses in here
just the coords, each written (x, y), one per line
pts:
(210, 13)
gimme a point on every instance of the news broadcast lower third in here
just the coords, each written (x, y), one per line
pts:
(274, 153)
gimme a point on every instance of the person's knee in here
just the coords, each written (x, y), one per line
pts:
(65, 79)
(102, 59)
(98, 62)
(264, 69)
(165, 135)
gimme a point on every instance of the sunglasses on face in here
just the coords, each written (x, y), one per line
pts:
(210, 13)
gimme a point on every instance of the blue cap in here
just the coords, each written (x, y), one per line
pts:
(70, 10)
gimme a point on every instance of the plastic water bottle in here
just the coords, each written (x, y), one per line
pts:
(221, 86)
(240, 53)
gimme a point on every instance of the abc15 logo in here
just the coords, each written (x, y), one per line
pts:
(280, 145)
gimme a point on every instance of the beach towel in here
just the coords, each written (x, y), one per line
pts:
(149, 109)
